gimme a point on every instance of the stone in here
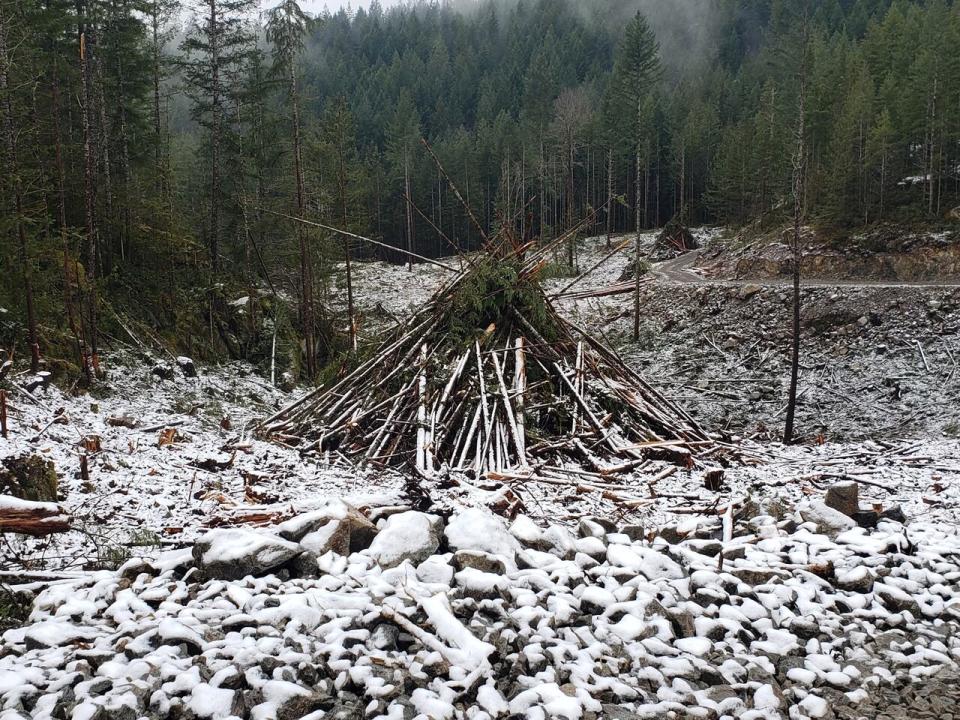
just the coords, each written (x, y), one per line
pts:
(829, 521)
(591, 528)
(478, 560)
(384, 637)
(474, 529)
(341, 527)
(618, 712)
(683, 623)
(804, 627)
(410, 535)
(305, 565)
(719, 693)
(866, 518)
(187, 366)
(164, 372)
(844, 497)
(755, 576)
(300, 706)
(528, 533)
(234, 553)
(561, 542)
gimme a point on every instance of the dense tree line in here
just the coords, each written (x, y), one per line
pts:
(157, 154)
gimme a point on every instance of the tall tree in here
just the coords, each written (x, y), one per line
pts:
(636, 69)
(286, 27)
(214, 49)
(10, 132)
(572, 111)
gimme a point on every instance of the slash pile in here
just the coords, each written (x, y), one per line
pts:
(487, 378)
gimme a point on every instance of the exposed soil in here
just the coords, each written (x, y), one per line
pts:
(882, 253)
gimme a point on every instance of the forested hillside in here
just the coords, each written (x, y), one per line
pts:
(148, 145)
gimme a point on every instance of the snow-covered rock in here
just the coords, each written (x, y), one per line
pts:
(828, 521)
(231, 554)
(844, 497)
(475, 529)
(411, 535)
(338, 527)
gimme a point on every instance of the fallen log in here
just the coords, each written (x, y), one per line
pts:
(31, 518)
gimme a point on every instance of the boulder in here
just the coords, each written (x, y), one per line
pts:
(411, 535)
(339, 527)
(866, 518)
(187, 366)
(164, 372)
(844, 497)
(234, 553)
(830, 522)
(894, 513)
(474, 529)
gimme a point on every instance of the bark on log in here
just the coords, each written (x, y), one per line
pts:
(31, 518)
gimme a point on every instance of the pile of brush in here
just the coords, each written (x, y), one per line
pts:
(488, 379)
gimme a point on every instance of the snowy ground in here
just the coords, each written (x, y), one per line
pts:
(658, 608)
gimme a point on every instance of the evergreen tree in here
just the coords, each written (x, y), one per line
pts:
(215, 48)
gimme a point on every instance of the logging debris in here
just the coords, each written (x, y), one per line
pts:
(487, 377)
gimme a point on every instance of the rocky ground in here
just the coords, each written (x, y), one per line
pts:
(877, 361)
(798, 613)
(881, 253)
(211, 575)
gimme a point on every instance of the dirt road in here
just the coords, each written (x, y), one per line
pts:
(680, 270)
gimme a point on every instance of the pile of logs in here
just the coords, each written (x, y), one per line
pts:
(524, 389)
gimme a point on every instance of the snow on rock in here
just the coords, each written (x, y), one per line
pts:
(475, 529)
(338, 528)
(499, 623)
(230, 554)
(411, 535)
(828, 520)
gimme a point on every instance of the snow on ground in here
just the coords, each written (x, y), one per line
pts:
(786, 618)
(586, 607)
(190, 461)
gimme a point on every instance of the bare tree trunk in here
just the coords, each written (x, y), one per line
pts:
(609, 195)
(636, 260)
(543, 197)
(10, 138)
(89, 190)
(216, 113)
(656, 220)
(68, 283)
(126, 174)
(306, 265)
(406, 182)
(342, 187)
(103, 144)
(157, 129)
(799, 182)
(572, 242)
